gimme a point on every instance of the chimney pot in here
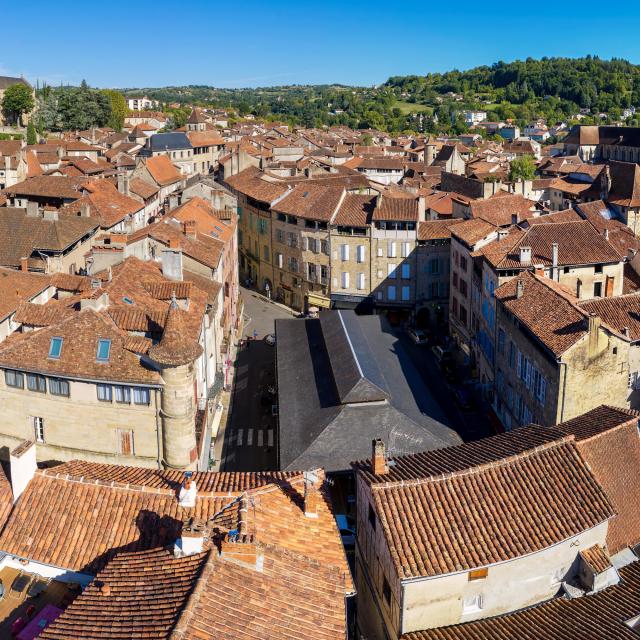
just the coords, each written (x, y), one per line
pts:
(24, 264)
(379, 460)
(188, 492)
(105, 590)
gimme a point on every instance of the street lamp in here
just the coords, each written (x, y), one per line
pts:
(267, 288)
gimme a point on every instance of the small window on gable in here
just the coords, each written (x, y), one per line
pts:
(55, 347)
(478, 574)
(104, 348)
(386, 591)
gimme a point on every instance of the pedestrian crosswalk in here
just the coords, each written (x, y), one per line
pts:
(253, 437)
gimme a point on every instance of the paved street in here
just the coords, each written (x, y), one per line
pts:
(250, 436)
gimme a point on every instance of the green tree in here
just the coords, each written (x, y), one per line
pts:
(32, 136)
(17, 100)
(522, 168)
(118, 108)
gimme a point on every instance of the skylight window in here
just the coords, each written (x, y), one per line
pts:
(127, 300)
(55, 347)
(104, 348)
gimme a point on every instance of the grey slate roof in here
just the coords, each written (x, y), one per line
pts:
(343, 381)
(169, 141)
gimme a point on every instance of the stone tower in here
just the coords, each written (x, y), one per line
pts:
(176, 354)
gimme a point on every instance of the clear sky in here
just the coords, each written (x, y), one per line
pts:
(261, 43)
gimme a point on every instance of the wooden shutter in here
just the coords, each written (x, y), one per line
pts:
(125, 442)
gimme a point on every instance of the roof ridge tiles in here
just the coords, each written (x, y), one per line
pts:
(480, 468)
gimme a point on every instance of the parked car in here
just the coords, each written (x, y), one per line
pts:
(270, 339)
(347, 530)
(417, 335)
(463, 398)
(441, 354)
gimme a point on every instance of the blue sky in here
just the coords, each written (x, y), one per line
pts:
(251, 43)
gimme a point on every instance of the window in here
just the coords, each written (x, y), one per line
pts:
(104, 392)
(472, 604)
(324, 245)
(463, 263)
(104, 348)
(14, 379)
(478, 574)
(434, 266)
(55, 347)
(372, 518)
(406, 271)
(391, 249)
(597, 289)
(406, 293)
(391, 271)
(360, 253)
(141, 396)
(386, 591)
(37, 424)
(123, 394)
(280, 235)
(344, 252)
(345, 280)
(59, 387)
(36, 383)
(406, 249)
(360, 281)
(598, 268)
(512, 354)
(125, 442)
(391, 293)
(265, 253)
(279, 260)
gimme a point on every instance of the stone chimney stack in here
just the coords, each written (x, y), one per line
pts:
(123, 184)
(23, 467)
(525, 256)
(191, 540)
(172, 263)
(379, 462)
(85, 210)
(519, 289)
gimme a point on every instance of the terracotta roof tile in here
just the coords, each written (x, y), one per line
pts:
(162, 170)
(546, 495)
(355, 210)
(17, 287)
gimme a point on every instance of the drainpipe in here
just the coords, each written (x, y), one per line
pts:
(158, 436)
(564, 389)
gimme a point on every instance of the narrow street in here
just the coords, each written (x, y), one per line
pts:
(250, 435)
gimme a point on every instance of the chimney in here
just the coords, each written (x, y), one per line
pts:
(378, 460)
(606, 234)
(50, 215)
(189, 229)
(525, 255)
(539, 270)
(594, 330)
(241, 549)
(625, 332)
(24, 264)
(85, 210)
(32, 209)
(191, 539)
(23, 467)
(7, 163)
(421, 208)
(172, 263)
(188, 491)
(519, 289)
(123, 184)
(311, 494)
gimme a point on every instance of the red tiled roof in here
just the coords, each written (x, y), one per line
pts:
(481, 503)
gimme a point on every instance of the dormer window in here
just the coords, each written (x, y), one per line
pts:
(55, 348)
(127, 300)
(104, 349)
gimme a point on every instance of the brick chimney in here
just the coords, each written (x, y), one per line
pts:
(311, 494)
(189, 229)
(379, 463)
(24, 264)
(241, 549)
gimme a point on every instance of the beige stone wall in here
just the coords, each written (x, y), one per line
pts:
(80, 426)
(393, 266)
(358, 261)
(509, 586)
